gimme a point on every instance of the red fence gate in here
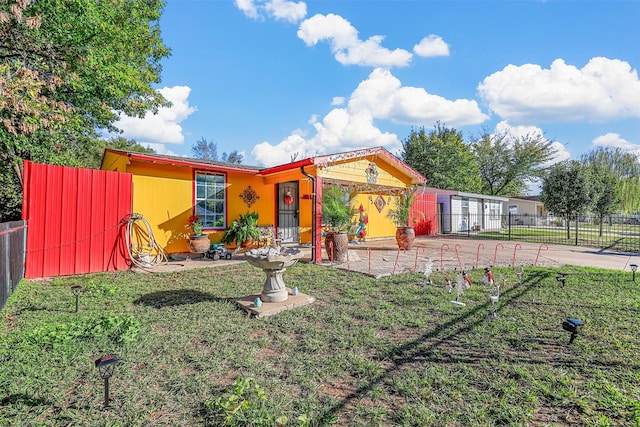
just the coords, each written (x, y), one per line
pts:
(74, 220)
(425, 213)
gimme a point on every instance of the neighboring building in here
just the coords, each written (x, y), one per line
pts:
(460, 211)
(526, 210)
(167, 190)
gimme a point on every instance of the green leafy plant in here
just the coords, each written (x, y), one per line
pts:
(245, 228)
(401, 213)
(336, 209)
(245, 404)
(195, 224)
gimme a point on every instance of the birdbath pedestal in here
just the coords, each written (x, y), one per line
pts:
(274, 264)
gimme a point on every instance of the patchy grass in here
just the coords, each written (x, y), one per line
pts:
(368, 352)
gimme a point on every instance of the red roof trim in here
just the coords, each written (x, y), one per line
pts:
(287, 166)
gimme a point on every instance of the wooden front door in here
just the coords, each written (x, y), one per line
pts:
(288, 212)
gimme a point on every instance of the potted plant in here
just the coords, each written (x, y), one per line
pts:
(243, 230)
(198, 241)
(400, 214)
(336, 216)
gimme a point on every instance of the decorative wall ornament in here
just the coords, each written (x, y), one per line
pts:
(249, 196)
(372, 173)
(287, 197)
(379, 203)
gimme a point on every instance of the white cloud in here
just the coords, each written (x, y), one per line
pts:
(278, 9)
(337, 100)
(614, 140)
(164, 126)
(386, 98)
(604, 89)
(431, 45)
(504, 128)
(380, 97)
(248, 8)
(347, 48)
(287, 10)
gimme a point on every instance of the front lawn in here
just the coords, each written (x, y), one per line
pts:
(368, 352)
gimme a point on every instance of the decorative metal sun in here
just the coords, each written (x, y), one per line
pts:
(249, 196)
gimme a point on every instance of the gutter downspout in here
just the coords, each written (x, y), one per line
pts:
(313, 213)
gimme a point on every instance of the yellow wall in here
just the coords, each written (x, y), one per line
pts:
(379, 225)
(355, 172)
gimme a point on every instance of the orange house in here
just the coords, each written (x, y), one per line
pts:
(167, 190)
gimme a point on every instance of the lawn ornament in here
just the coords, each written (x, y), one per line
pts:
(448, 286)
(218, 251)
(488, 276)
(494, 297)
(428, 268)
(467, 281)
(461, 285)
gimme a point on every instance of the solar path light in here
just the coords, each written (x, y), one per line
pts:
(572, 325)
(634, 268)
(106, 366)
(77, 290)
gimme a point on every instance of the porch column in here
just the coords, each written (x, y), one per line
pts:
(317, 211)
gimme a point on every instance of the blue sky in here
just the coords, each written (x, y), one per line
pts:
(272, 78)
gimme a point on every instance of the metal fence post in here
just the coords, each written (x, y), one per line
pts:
(509, 225)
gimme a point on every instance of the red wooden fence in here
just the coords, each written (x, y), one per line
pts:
(74, 220)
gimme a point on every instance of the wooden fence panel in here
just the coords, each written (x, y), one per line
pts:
(75, 220)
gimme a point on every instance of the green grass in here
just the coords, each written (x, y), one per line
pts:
(368, 352)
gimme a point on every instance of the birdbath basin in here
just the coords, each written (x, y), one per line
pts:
(274, 262)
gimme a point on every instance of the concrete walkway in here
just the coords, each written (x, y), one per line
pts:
(381, 257)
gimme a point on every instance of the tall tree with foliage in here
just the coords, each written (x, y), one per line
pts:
(69, 68)
(508, 163)
(565, 191)
(205, 150)
(443, 158)
(625, 168)
(208, 150)
(603, 186)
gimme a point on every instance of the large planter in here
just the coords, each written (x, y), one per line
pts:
(198, 244)
(337, 246)
(405, 237)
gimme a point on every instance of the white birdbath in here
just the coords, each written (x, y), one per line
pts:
(273, 262)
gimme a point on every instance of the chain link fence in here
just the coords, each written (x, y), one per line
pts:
(614, 232)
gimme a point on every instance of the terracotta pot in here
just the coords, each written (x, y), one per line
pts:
(337, 246)
(198, 244)
(405, 237)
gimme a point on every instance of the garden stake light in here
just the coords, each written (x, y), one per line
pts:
(634, 268)
(106, 365)
(77, 290)
(562, 279)
(571, 325)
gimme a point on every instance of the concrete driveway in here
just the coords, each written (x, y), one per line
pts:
(381, 257)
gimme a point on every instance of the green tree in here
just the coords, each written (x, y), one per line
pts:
(565, 190)
(443, 158)
(205, 150)
(508, 163)
(603, 186)
(67, 70)
(625, 168)
(233, 157)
